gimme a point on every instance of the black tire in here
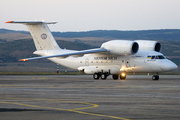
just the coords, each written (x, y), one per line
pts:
(103, 76)
(115, 77)
(155, 77)
(96, 76)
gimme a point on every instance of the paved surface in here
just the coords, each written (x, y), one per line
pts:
(79, 97)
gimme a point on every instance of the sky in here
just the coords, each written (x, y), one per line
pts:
(86, 15)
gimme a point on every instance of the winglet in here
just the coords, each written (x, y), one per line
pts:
(9, 22)
(23, 60)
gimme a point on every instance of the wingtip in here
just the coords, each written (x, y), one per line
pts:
(9, 22)
(23, 60)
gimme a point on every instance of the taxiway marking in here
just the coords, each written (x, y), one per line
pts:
(70, 110)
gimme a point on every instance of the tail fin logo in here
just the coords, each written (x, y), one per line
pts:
(44, 36)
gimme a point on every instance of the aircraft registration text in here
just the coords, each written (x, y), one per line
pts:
(105, 58)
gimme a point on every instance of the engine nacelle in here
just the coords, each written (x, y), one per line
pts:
(121, 47)
(146, 45)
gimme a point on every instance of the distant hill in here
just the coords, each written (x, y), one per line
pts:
(15, 45)
(91, 39)
(12, 31)
(15, 50)
(164, 34)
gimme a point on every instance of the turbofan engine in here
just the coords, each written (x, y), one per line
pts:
(121, 47)
(146, 45)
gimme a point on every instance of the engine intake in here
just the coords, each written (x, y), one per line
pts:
(121, 47)
(146, 45)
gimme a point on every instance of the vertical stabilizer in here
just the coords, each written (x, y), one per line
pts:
(43, 38)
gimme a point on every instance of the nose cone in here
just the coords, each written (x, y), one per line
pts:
(170, 66)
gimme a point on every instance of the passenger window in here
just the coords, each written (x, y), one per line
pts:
(157, 57)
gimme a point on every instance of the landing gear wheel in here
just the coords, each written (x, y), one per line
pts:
(96, 76)
(155, 77)
(103, 76)
(122, 76)
(115, 77)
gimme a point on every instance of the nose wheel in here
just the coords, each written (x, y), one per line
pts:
(155, 77)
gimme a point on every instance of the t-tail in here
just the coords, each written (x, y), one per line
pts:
(42, 36)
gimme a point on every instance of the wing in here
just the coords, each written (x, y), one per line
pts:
(98, 50)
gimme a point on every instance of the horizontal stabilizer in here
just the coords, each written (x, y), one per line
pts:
(98, 50)
(31, 22)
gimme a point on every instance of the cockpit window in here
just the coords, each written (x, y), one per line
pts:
(157, 57)
(152, 57)
(161, 57)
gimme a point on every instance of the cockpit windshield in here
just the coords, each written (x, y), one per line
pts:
(156, 57)
(161, 57)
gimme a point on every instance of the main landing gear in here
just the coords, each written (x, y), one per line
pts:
(115, 77)
(103, 76)
(122, 76)
(155, 77)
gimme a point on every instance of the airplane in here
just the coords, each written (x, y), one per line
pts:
(115, 57)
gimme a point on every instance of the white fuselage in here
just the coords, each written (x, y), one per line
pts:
(93, 63)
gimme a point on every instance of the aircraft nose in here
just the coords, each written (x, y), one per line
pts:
(170, 66)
